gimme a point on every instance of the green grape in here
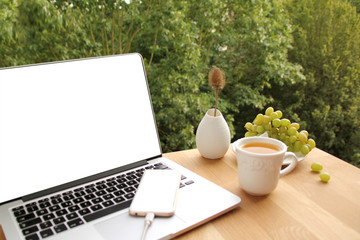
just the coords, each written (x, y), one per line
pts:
(267, 126)
(276, 136)
(253, 128)
(304, 149)
(295, 125)
(250, 134)
(297, 146)
(275, 130)
(302, 137)
(259, 119)
(286, 141)
(248, 126)
(324, 176)
(276, 123)
(305, 132)
(269, 111)
(267, 119)
(292, 139)
(282, 129)
(282, 136)
(260, 129)
(290, 148)
(273, 115)
(292, 131)
(312, 143)
(285, 122)
(316, 167)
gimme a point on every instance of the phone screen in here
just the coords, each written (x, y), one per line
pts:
(157, 193)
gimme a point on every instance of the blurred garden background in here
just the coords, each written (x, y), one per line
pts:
(299, 56)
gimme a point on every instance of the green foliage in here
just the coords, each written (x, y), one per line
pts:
(300, 56)
(327, 46)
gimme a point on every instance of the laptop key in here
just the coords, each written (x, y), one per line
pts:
(90, 190)
(59, 220)
(108, 196)
(17, 208)
(80, 193)
(42, 212)
(90, 196)
(25, 217)
(129, 195)
(129, 189)
(32, 208)
(107, 203)
(78, 200)
(60, 228)
(96, 200)
(48, 216)
(74, 223)
(46, 233)
(78, 189)
(45, 225)
(189, 182)
(54, 208)
(118, 193)
(66, 204)
(32, 237)
(68, 197)
(73, 208)
(100, 193)
(67, 193)
(131, 182)
(96, 207)
(119, 199)
(85, 204)
(29, 230)
(44, 205)
(30, 223)
(84, 211)
(61, 212)
(71, 216)
(56, 200)
(121, 186)
(19, 213)
(111, 189)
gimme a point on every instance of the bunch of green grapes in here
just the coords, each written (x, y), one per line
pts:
(282, 129)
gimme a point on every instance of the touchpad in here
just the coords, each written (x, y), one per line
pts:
(129, 227)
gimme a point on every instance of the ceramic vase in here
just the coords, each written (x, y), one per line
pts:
(213, 135)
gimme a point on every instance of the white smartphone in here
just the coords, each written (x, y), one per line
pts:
(157, 193)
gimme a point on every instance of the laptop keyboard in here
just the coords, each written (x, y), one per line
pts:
(60, 212)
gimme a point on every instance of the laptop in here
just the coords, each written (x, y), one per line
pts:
(75, 138)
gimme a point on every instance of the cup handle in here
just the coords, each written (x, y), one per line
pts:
(291, 166)
(234, 145)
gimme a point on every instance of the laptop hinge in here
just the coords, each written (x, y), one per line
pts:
(84, 180)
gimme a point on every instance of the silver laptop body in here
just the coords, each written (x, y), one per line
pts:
(67, 129)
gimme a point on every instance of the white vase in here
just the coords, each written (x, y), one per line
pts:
(213, 135)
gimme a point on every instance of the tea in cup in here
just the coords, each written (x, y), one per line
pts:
(259, 163)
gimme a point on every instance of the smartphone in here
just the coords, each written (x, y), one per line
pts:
(157, 193)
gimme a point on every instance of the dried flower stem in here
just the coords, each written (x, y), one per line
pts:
(216, 81)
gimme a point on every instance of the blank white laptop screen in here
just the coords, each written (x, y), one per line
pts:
(63, 121)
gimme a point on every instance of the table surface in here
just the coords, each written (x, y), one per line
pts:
(301, 207)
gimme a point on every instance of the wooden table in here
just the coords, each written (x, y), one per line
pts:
(301, 207)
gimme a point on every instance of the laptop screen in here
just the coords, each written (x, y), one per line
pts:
(67, 120)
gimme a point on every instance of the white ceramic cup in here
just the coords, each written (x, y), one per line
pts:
(259, 173)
